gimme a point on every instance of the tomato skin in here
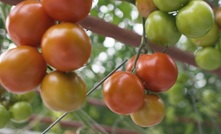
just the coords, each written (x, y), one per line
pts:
(218, 16)
(161, 29)
(21, 69)
(158, 71)
(169, 5)
(66, 46)
(62, 91)
(145, 7)
(195, 19)
(130, 62)
(67, 10)
(4, 115)
(27, 22)
(151, 113)
(123, 93)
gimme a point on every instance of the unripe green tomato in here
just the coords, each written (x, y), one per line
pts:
(209, 39)
(161, 29)
(169, 5)
(29, 96)
(4, 116)
(21, 111)
(208, 58)
(195, 19)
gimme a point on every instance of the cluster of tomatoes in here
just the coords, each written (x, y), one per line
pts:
(50, 46)
(125, 91)
(167, 21)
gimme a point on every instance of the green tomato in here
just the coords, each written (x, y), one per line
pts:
(169, 5)
(161, 29)
(29, 96)
(21, 111)
(208, 58)
(4, 116)
(195, 19)
(209, 39)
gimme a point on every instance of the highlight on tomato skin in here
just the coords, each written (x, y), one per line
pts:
(151, 113)
(21, 69)
(123, 93)
(27, 22)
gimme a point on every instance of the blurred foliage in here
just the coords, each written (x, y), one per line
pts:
(193, 105)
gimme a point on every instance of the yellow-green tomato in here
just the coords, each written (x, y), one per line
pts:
(161, 29)
(21, 111)
(208, 58)
(151, 113)
(209, 39)
(169, 5)
(64, 92)
(195, 19)
(4, 116)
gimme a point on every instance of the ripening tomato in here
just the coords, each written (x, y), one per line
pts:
(169, 5)
(195, 19)
(21, 69)
(62, 91)
(161, 29)
(158, 71)
(145, 7)
(27, 22)
(130, 62)
(123, 93)
(67, 10)
(151, 113)
(66, 46)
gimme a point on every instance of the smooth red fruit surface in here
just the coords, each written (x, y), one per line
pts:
(123, 93)
(62, 91)
(158, 71)
(66, 46)
(67, 10)
(21, 69)
(27, 22)
(151, 113)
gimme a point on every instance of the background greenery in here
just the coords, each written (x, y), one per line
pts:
(192, 106)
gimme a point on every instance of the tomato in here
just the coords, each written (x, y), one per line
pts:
(123, 93)
(218, 16)
(151, 113)
(4, 116)
(66, 46)
(209, 39)
(62, 91)
(130, 62)
(21, 111)
(67, 10)
(169, 5)
(195, 19)
(208, 58)
(27, 22)
(161, 29)
(21, 69)
(145, 7)
(158, 71)
(29, 96)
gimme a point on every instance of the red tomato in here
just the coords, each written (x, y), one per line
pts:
(27, 22)
(158, 71)
(151, 113)
(21, 69)
(123, 93)
(62, 91)
(66, 46)
(67, 10)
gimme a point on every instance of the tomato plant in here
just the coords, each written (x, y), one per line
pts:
(208, 58)
(20, 112)
(158, 71)
(27, 22)
(161, 29)
(145, 7)
(62, 91)
(169, 5)
(4, 116)
(195, 19)
(67, 10)
(151, 113)
(66, 46)
(218, 16)
(123, 93)
(22, 69)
